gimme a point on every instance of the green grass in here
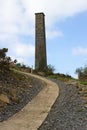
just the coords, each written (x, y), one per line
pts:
(52, 76)
(61, 77)
(84, 83)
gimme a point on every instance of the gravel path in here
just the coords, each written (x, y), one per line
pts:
(34, 113)
(68, 112)
(26, 95)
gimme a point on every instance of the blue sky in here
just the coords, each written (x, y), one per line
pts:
(66, 31)
(69, 50)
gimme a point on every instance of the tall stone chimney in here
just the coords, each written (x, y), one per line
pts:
(40, 42)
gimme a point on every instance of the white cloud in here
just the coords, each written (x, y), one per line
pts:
(17, 19)
(18, 16)
(53, 33)
(55, 9)
(79, 51)
(21, 51)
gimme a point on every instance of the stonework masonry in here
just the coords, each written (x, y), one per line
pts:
(40, 42)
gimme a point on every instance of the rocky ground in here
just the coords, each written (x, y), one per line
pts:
(16, 90)
(69, 112)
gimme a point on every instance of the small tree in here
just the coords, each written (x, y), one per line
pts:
(4, 60)
(50, 69)
(15, 61)
(85, 70)
(3, 54)
(82, 73)
(79, 72)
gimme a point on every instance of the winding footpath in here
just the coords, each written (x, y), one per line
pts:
(35, 112)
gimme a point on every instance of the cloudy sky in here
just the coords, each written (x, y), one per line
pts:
(66, 31)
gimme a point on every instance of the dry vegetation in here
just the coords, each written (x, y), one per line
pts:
(12, 86)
